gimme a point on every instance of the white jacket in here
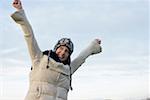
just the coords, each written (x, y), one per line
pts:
(49, 83)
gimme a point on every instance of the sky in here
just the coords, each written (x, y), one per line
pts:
(120, 72)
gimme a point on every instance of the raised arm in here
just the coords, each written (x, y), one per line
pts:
(20, 18)
(93, 48)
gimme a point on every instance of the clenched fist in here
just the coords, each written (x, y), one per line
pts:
(17, 4)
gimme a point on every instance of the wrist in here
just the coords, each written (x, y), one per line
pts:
(20, 8)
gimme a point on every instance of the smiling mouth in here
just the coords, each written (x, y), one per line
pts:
(61, 57)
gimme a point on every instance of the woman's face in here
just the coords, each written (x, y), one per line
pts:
(63, 53)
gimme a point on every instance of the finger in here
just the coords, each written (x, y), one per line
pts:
(100, 49)
(98, 41)
(19, 2)
(15, 1)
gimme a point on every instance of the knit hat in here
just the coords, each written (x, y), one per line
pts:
(65, 42)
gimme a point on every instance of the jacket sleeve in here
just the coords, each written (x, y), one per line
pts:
(93, 48)
(20, 18)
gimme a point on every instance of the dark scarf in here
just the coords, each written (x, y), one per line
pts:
(54, 56)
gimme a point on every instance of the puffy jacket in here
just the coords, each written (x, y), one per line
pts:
(52, 82)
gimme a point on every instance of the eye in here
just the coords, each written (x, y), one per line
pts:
(66, 50)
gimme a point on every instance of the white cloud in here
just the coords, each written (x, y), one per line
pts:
(119, 72)
(9, 51)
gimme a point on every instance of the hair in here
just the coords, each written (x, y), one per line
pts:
(65, 42)
(54, 56)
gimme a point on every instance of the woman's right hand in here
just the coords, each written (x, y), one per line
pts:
(17, 4)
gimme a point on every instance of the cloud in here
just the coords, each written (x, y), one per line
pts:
(122, 25)
(9, 51)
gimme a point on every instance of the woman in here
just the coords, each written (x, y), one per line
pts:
(50, 76)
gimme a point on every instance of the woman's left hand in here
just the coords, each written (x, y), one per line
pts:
(17, 4)
(98, 41)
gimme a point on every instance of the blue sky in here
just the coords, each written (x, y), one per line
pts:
(120, 72)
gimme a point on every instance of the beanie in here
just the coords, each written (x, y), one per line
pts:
(65, 42)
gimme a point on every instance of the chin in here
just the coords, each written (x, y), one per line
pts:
(62, 59)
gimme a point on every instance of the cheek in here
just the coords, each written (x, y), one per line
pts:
(66, 55)
(58, 51)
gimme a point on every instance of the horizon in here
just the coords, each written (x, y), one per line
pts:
(120, 72)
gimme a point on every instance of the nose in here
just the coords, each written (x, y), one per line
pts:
(62, 53)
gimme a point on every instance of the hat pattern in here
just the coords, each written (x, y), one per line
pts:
(65, 42)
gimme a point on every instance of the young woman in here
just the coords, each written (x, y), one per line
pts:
(50, 76)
